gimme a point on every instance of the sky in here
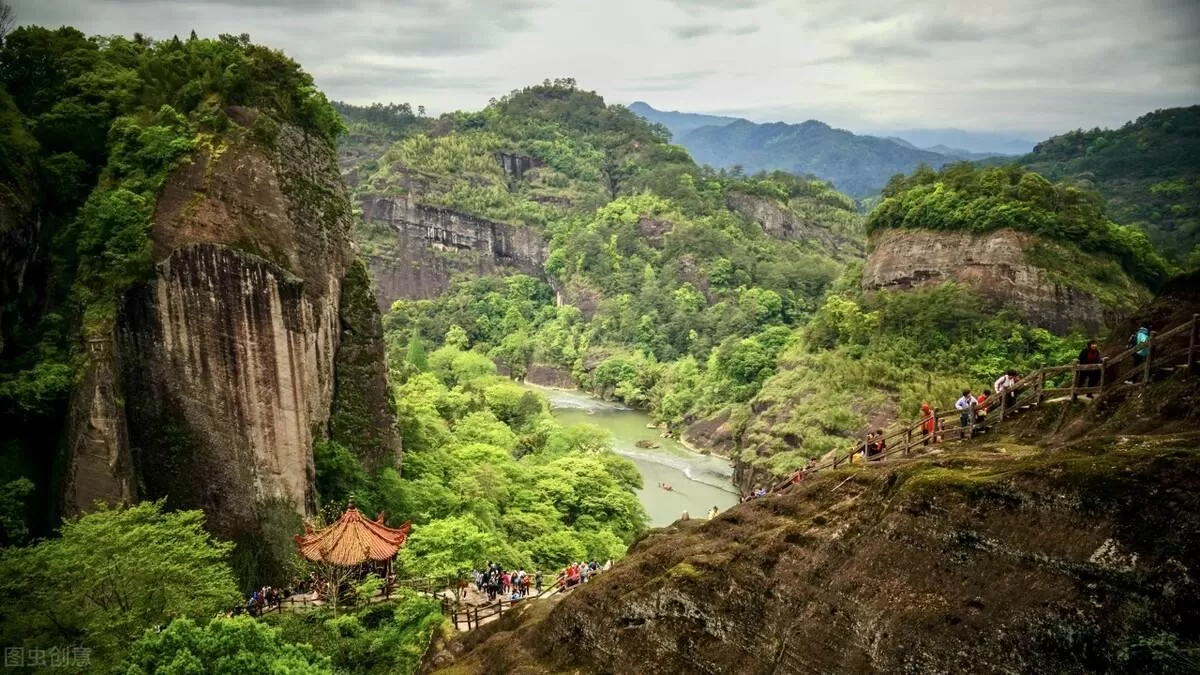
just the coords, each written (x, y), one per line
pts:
(1030, 68)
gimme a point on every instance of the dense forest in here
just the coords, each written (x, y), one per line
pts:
(1148, 173)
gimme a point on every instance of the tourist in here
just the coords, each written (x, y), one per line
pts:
(1089, 356)
(927, 424)
(713, 513)
(537, 581)
(1004, 385)
(964, 406)
(981, 408)
(879, 447)
(1140, 337)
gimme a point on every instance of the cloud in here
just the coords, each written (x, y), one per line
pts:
(1027, 66)
(956, 29)
(670, 81)
(695, 30)
(720, 5)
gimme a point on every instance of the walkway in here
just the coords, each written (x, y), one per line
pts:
(1167, 351)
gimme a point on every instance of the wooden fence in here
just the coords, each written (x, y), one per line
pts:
(1178, 347)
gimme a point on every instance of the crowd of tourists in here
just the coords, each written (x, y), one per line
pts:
(579, 573)
(495, 582)
(262, 600)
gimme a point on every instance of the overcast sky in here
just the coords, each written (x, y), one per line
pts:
(1027, 67)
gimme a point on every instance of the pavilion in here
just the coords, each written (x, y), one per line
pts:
(353, 540)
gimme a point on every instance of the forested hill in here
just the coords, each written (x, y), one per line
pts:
(1148, 172)
(729, 307)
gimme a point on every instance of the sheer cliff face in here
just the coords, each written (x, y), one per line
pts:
(230, 359)
(432, 244)
(994, 265)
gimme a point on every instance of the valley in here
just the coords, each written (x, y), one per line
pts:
(236, 316)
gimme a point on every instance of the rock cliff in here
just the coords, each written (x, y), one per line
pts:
(431, 244)
(997, 265)
(778, 221)
(256, 337)
(972, 564)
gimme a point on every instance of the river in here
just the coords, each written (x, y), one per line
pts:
(700, 482)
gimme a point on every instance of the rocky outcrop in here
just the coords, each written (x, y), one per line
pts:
(555, 377)
(992, 264)
(516, 165)
(780, 222)
(256, 337)
(19, 228)
(98, 438)
(229, 372)
(433, 244)
(977, 564)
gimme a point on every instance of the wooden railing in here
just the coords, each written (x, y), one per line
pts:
(468, 618)
(1177, 347)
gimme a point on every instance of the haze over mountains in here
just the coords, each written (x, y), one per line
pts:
(858, 164)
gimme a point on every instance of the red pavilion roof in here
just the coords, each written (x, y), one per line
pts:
(352, 540)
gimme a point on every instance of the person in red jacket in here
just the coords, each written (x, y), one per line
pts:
(928, 424)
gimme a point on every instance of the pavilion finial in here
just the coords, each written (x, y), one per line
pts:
(351, 504)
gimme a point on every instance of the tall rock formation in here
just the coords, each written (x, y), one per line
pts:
(251, 339)
(997, 266)
(431, 244)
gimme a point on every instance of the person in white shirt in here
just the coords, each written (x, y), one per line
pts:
(1003, 384)
(964, 405)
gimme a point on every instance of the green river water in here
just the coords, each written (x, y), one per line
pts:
(700, 482)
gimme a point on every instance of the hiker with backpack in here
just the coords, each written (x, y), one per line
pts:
(1139, 357)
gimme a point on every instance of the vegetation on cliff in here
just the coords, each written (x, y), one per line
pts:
(98, 125)
(963, 197)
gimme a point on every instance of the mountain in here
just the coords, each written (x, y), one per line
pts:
(857, 165)
(679, 123)
(984, 142)
(959, 153)
(1148, 172)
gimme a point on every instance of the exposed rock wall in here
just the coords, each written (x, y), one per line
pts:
(781, 223)
(432, 244)
(544, 375)
(257, 330)
(516, 165)
(230, 370)
(98, 438)
(993, 264)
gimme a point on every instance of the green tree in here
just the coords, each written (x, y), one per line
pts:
(237, 646)
(111, 575)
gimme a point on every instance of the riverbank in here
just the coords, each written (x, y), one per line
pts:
(698, 481)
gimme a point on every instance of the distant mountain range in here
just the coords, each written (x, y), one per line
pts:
(859, 165)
